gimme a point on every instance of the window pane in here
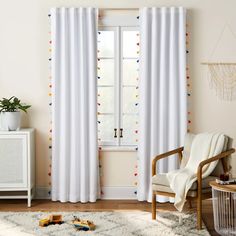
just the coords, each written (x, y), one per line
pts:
(130, 41)
(106, 72)
(105, 128)
(106, 44)
(130, 129)
(130, 71)
(126, 93)
(106, 99)
(130, 101)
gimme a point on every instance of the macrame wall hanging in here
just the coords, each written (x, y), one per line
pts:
(222, 75)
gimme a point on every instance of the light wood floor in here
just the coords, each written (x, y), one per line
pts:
(105, 205)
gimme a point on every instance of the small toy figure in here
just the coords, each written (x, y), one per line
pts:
(84, 225)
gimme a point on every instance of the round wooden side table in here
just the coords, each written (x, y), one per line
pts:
(224, 208)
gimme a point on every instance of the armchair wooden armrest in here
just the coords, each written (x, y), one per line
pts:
(163, 155)
(215, 158)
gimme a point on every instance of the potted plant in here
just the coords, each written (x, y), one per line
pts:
(10, 113)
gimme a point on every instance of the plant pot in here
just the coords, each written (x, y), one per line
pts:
(10, 121)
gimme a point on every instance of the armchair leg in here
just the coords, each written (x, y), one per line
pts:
(199, 212)
(153, 206)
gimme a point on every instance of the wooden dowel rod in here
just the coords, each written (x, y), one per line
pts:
(218, 63)
(119, 9)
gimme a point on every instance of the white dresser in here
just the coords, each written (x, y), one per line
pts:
(17, 164)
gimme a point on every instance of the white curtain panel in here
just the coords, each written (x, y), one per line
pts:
(74, 104)
(163, 93)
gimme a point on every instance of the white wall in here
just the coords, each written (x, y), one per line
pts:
(24, 71)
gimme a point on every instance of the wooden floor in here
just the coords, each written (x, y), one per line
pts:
(105, 205)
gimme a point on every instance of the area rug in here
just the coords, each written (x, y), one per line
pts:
(136, 223)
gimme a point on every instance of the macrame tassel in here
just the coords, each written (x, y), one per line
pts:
(223, 80)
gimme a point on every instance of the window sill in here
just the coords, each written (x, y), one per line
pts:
(118, 149)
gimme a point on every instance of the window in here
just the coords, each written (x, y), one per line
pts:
(118, 64)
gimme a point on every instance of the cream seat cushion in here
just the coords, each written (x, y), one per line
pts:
(161, 183)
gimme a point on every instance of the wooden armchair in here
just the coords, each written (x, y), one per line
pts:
(200, 189)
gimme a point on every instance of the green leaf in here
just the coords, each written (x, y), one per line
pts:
(13, 104)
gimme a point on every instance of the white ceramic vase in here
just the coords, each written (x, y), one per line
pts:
(10, 121)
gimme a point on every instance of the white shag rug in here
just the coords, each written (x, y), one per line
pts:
(136, 223)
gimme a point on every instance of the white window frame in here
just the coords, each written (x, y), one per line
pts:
(109, 28)
(118, 85)
(124, 28)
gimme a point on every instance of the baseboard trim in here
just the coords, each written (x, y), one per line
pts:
(42, 193)
(108, 193)
(119, 193)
